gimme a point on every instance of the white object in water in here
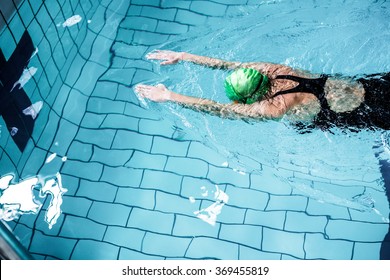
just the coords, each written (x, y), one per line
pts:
(209, 214)
(14, 130)
(50, 158)
(17, 199)
(26, 76)
(33, 110)
(54, 187)
(72, 21)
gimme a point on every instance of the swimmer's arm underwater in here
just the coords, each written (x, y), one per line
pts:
(260, 110)
(171, 57)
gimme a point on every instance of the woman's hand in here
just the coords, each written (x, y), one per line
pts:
(158, 93)
(168, 57)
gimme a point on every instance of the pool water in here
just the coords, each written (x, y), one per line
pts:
(106, 175)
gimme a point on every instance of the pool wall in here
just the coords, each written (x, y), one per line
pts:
(134, 180)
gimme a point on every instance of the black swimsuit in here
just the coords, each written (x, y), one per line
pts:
(373, 113)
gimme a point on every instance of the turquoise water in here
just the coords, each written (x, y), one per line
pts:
(137, 180)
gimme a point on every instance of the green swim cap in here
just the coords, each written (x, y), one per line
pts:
(246, 85)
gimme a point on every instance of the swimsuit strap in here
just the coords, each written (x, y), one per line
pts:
(313, 86)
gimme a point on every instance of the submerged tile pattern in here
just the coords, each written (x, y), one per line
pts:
(134, 181)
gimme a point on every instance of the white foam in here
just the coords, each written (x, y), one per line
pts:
(51, 158)
(210, 214)
(33, 110)
(26, 76)
(18, 199)
(72, 21)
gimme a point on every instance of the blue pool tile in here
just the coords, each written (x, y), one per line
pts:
(105, 106)
(319, 208)
(154, 127)
(252, 254)
(93, 250)
(175, 4)
(170, 203)
(208, 8)
(147, 161)
(74, 109)
(132, 140)
(140, 23)
(121, 76)
(97, 23)
(24, 234)
(151, 221)
(43, 18)
(80, 151)
(126, 254)
(223, 175)
(136, 197)
(87, 170)
(70, 183)
(97, 191)
(356, 231)
(187, 166)
(64, 137)
(120, 122)
(17, 28)
(85, 50)
(293, 203)
(191, 226)
(144, 76)
(187, 17)
(165, 245)
(111, 157)
(242, 234)
(158, 13)
(168, 27)
(76, 206)
(26, 13)
(169, 147)
(130, 52)
(91, 72)
(59, 247)
(82, 228)
(277, 241)
(36, 5)
(60, 101)
(267, 181)
(317, 247)
(7, 43)
(193, 187)
(146, 2)
(125, 237)
(246, 198)
(142, 113)
(110, 30)
(163, 181)
(230, 214)
(101, 51)
(198, 150)
(34, 162)
(366, 251)
(91, 120)
(149, 39)
(203, 247)
(122, 176)
(109, 214)
(53, 7)
(102, 138)
(301, 222)
(35, 32)
(107, 90)
(125, 36)
(76, 69)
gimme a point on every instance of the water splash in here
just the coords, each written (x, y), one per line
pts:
(18, 199)
(209, 214)
(26, 76)
(72, 21)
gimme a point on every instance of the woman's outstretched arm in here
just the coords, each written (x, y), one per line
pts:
(171, 57)
(260, 110)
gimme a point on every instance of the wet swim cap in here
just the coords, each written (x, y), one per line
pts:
(246, 85)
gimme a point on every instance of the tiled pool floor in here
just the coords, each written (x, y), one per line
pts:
(137, 186)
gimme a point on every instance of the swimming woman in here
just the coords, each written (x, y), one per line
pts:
(262, 90)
